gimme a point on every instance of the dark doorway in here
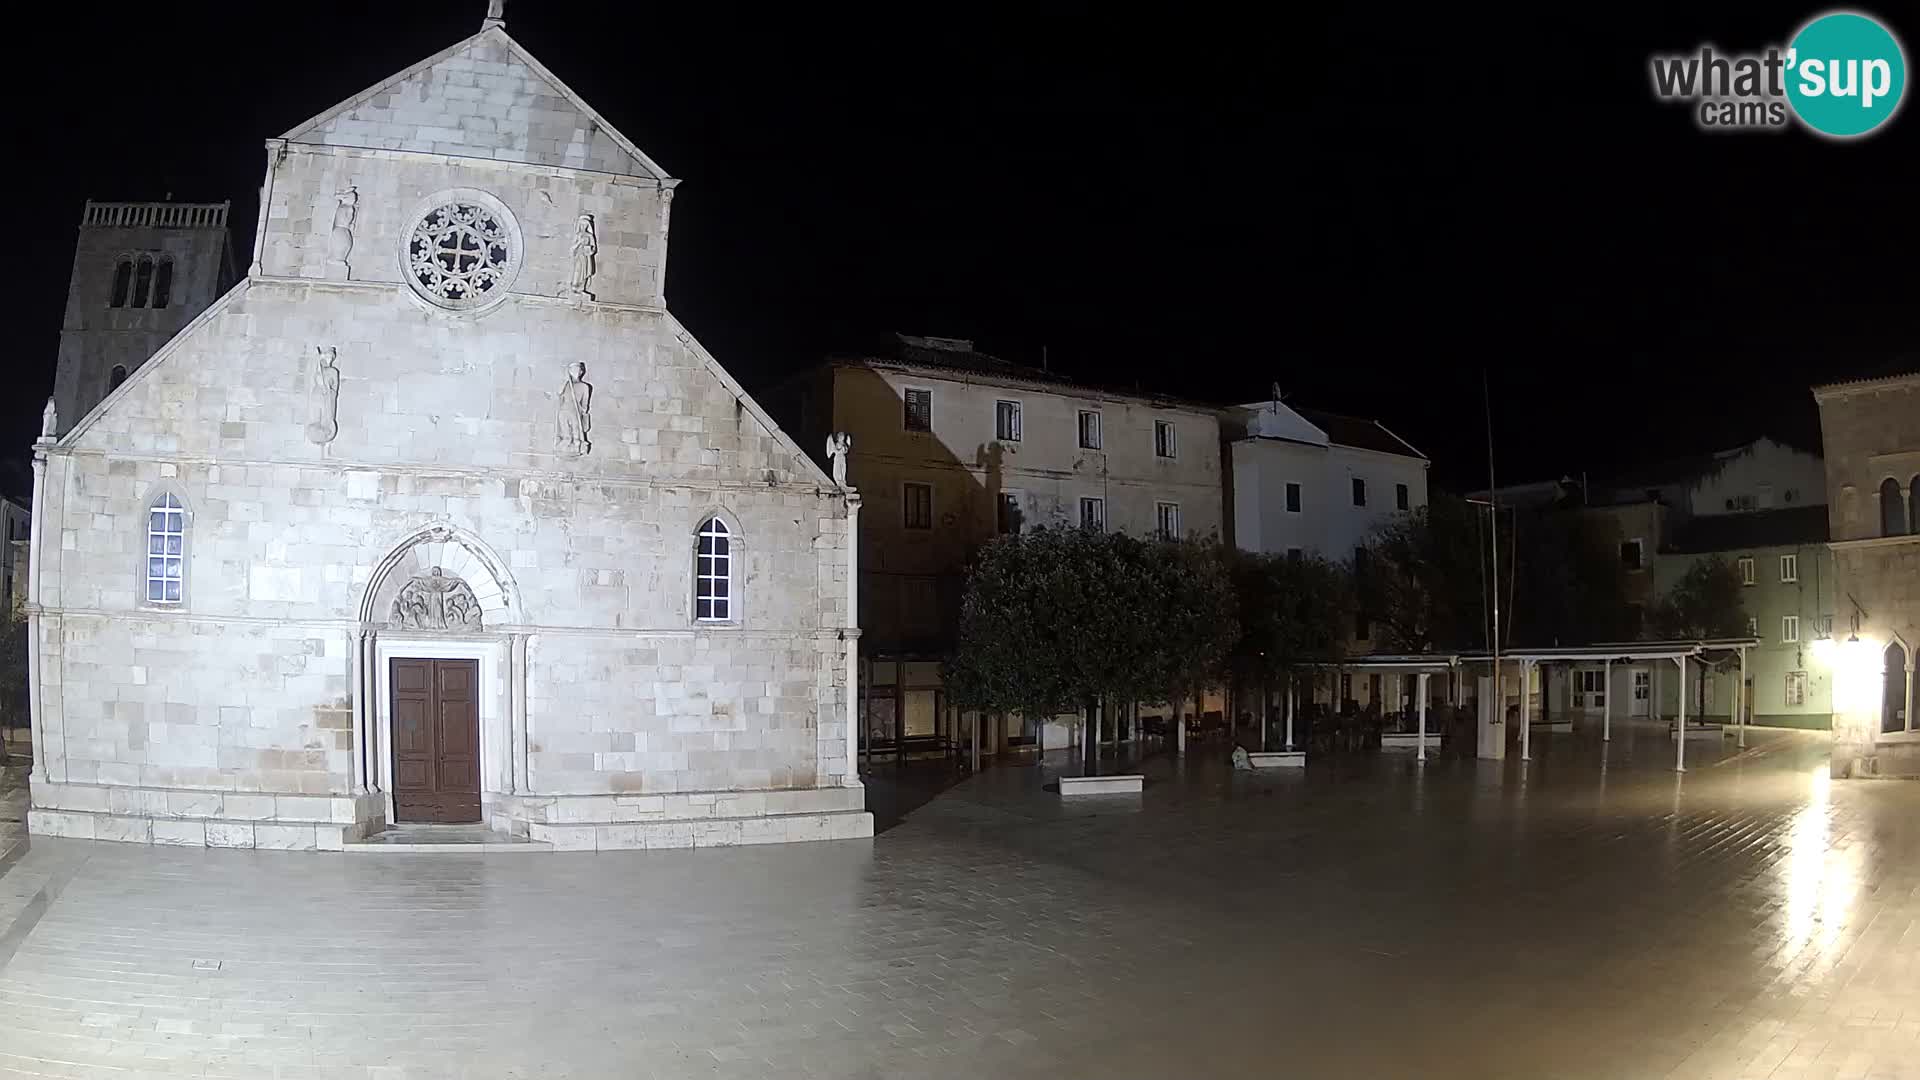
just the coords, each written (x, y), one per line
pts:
(436, 740)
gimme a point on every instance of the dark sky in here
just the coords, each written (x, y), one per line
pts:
(1369, 206)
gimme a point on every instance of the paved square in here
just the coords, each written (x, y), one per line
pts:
(1574, 917)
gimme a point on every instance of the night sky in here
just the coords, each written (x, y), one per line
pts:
(1370, 207)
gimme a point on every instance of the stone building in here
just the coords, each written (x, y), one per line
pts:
(951, 446)
(1871, 429)
(439, 515)
(141, 273)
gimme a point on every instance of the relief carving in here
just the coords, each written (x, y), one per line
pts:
(323, 398)
(433, 601)
(585, 246)
(575, 413)
(340, 243)
(839, 445)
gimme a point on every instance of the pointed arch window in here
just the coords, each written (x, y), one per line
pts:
(122, 282)
(115, 377)
(713, 593)
(162, 283)
(166, 550)
(142, 280)
(1893, 508)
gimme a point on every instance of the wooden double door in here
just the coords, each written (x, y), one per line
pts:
(436, 740)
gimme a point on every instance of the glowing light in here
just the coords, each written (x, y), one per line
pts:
(1856, 672)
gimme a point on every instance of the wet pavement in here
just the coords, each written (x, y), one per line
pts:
(1588, 914)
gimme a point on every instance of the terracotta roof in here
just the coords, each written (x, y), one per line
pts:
(1358, 432)
(1753, 529)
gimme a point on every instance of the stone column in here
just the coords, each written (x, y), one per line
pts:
(36, 697)
(1421, 683)
(1680, 731)
(660, 298)
(357, 639)
(520, 781)
(852, 776)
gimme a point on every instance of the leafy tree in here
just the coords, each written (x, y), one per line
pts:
(1706, 602)
(1424, 582)
(1289, 611)
(13, 674)
(1055, 618)
(1569, 586)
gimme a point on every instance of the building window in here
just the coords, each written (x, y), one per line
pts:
(1631, 555)
(166, 550)
(1913, 505)
(1093, 514)
(918, 501)
(115, 377)
(122, 283)
(1796, 688)
(1167, 520)
(1163, 441)
(1295, 554)
(1894, 716)
(919, 414)
(1010, 513)
(162, 284)
(1089, 429)
(1745, 563)
(1401, 498)
(1006, 421)
(142, 280)
(1789, 628)
(1594, 684)
(1789, 568)
(1359, 492)
(713, 572)
(1293, 498)
(1753, 626)
(1893, 508)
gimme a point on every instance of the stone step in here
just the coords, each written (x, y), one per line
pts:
(443, 839)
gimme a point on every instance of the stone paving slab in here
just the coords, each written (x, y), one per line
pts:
(1578, 916)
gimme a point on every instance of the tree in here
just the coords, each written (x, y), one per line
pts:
(1424, 581)
(1054, 619)
(1705, 603)
(1289, 611)
(13, 674)
(1569, 586)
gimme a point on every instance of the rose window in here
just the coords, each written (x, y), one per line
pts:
(460, 255)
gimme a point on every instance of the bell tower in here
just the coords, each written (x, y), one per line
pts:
(141, 272)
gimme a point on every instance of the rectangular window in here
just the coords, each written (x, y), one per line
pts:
(918, 499)
(713, 573)
(1359, 492)
(1010, 514)
(1093, 514)
(1796, 688)
(1630, 555)
(166, 550)
(1006, 421)
(1401, 499)
(1293, 498)
(1753, 626)
(1167, 520)
(1745, 565)
(919, 415)
(1163, 443)
(1789, 628)
(1789, 568)
(1089, 429)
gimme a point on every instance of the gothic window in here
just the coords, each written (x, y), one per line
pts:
(122, 282)
(166, 550)
(162, 283)
(115, 377)
(1913, 505)
(142, 280)
(1893, 700)
(461, 254)
(1893, 508)
(713, 572)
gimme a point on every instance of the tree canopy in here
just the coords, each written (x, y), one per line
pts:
(1707, 602)
(1290, 609)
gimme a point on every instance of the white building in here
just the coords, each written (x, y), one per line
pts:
(440, 515)
(1316, 482)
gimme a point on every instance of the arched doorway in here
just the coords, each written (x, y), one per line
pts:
(439, 689)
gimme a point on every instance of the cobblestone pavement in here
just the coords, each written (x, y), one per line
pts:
(1579, 916)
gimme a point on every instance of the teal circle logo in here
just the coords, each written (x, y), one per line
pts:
(1845, 74)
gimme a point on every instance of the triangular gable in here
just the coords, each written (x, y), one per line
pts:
(807, 464)
(485, 97)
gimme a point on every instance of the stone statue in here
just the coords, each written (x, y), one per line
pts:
(434, 601)
(839, 445)
(496, 11)
(49, 421)
(340, 244)
(585, 246)
(575, 419)
(323, 398)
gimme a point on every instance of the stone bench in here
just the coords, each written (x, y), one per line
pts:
(1118, 784)
(1278, 759)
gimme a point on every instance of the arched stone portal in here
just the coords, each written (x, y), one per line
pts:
(440, 598)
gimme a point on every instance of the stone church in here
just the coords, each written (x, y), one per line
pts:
(438, 515)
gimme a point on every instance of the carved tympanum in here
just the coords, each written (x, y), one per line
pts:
(434, 601)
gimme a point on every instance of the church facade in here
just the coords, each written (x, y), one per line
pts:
(439, 515)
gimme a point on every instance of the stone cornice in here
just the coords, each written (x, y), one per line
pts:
(499, 633)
